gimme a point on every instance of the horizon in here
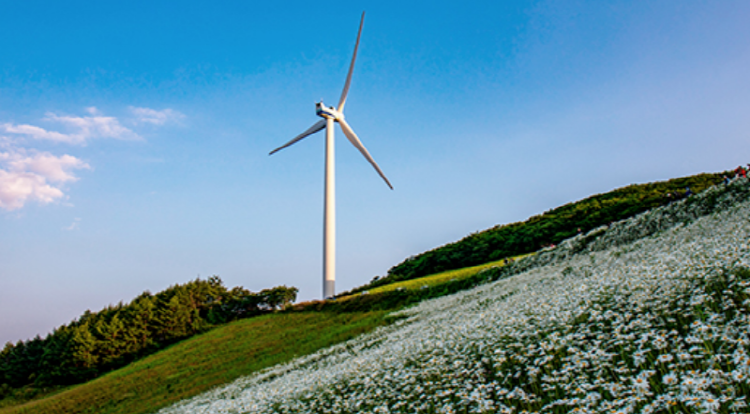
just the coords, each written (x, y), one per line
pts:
(134, 141)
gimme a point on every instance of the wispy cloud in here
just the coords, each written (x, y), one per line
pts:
(34, 176)
(74, 225)
(152, 116)
(94, 126)
(77, 129)
(38, 133)
(29, 175)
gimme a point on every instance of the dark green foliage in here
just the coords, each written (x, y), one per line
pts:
(117, 335)
(548, 228)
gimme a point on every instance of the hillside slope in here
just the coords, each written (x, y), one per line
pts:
(548, 228)
(203, 362)
(649, 314)
(99, 342)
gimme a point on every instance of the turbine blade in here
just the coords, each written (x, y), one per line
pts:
(357, 143)
(313, 129)
(342, 101)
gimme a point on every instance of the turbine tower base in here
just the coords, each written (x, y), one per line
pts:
(329, 289)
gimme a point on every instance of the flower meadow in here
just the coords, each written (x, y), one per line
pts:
(648, 315)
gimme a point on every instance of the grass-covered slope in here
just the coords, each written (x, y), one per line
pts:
(432, 281)
(546, 229)
(648, 315)
(98, 342)
(203, 362)
(248, 347)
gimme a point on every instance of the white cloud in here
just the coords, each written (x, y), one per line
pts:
(5, 142)
(28, 175)
(40, 133)
(152, 116)
(56, 169)
(79, 128)
(94, 126)
(74, 225)
(17, 187)
(34, 177)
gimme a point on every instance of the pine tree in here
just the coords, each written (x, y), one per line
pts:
(111, 338)
(138, 318)
(83, 352)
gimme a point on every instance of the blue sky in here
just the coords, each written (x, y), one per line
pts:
(134, 138)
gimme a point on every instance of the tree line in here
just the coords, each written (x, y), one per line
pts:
(98, 342)
(547, 229)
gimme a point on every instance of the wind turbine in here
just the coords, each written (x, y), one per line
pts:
(331, 115)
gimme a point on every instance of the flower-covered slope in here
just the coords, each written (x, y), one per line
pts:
(649, 315)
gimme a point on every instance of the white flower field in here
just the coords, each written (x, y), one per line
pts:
(649, 315)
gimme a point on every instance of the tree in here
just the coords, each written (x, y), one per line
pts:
(83, 352)
(101, 341)
(111, 339)
(138, 318)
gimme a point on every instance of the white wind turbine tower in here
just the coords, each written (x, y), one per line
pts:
(331, 115)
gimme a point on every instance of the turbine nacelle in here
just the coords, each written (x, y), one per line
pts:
(327, 112)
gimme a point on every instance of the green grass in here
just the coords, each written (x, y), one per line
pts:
(436, 279)
(222, 355)
(204, 362)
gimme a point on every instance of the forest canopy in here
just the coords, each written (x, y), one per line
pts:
(98, 342)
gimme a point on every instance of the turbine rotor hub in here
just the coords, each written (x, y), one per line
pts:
(327, 112)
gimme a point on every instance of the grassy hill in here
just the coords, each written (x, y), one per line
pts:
(99, 342)
(436, 280)
(546, 229)
(647, 315)
(205, 361)
(256, 346)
